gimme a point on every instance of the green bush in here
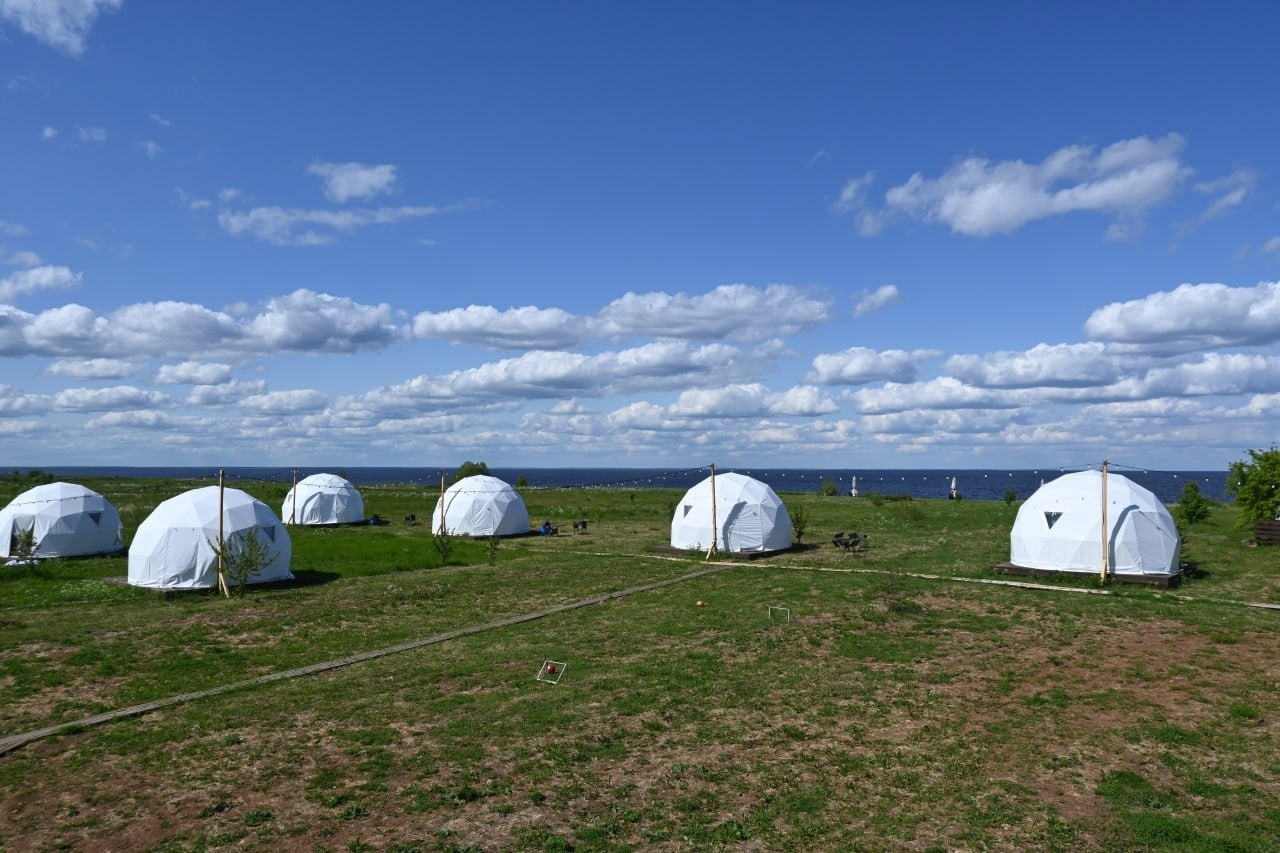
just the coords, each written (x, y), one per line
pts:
(470, 469)
(799, 522)
(1192, 506)
(1255, 485)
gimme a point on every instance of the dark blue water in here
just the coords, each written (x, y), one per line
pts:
(982, 485)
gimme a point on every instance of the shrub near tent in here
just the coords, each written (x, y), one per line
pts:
(63, 520)
(174, 547)
(749, 516)
(480, 506)
(323, 499)
(1059, 528)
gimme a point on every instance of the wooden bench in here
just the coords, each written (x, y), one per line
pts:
(580, 526)
(1266, 532)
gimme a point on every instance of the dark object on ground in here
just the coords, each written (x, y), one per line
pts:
(411, 518)
(580, 526)
(549, 529)
(851, 541)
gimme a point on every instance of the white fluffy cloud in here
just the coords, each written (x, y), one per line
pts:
(736, 312)
(1058, 365)
(225, 393)
(293, 227)
(545, 375)
(62, 24)
(36, 278)
(861, 366)
(345, 181)
(751, 400)
(729, 311)
(118, 398)
(978, 197)
(147, 420)
(193, 373)
(870, 301)
(941, 393)
(91, 368)
(303, 321)
(285, 402)
(1192, 317)
(23, 258)
(515, 328)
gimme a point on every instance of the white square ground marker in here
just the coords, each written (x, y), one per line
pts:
(782, 614)
(551, 671)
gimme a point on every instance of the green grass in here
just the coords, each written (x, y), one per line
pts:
(892, 711)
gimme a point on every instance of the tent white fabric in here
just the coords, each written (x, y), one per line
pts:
(749, 516)
(1060, 527)
(66, 520)
(322, 499)
(481, 505)
(174, 546)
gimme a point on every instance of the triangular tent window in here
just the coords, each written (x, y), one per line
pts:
(95, 517)
(271, 532)
(688, 508)
(1051, 518)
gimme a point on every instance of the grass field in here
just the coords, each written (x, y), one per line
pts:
(904, 705)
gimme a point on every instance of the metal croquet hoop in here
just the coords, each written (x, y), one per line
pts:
(552, 671)
(782, 613)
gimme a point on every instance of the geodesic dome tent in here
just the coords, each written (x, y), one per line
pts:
(480, 505)
(174, 546)
(322, 499)
(749, 516)
(1060, 527)
(65, 520)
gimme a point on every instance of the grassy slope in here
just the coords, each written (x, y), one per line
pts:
(891, 712)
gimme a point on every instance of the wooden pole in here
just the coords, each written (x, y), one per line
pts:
(222, 579)
(1106, 549)
(443, 508)
(293, 504)
(715, 528)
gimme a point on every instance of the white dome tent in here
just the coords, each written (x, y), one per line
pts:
(480, 505)
(747, 516)
(323, 499)
(1060, 528)
(174, 546)
(64, 519)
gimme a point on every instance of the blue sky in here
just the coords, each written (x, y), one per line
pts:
(578, 234)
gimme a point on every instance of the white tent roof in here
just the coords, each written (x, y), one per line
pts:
(67, 520)
(174, 546)
(322, 499)
(1060, 527)
(481, 505)
(749, 516)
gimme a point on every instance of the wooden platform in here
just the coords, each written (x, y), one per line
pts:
(1161, 581)
(735, 555)
(1267, 532)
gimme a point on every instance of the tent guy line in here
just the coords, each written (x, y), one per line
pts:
(11, 743)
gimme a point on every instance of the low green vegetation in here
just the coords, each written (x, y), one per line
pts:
(896, 697)
(1255, 486)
